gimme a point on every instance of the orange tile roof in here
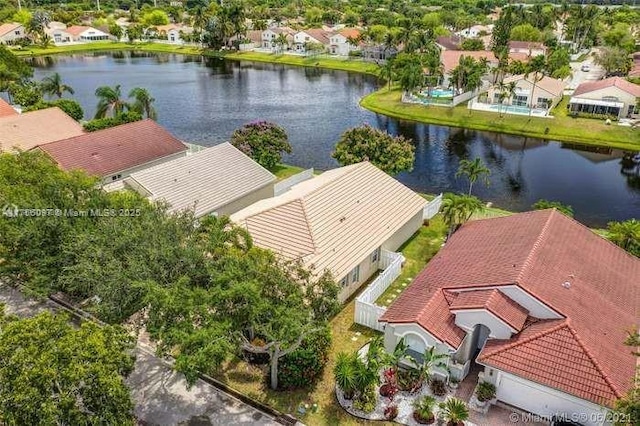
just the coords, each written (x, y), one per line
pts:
(451, 58)
(76, 30)
(349, 32)
(538, 252)
(620, 83)
(493, 301)
(116, 149)
(6, 109)
(551, 353)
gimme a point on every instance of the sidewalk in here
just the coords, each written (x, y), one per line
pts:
(159, 393)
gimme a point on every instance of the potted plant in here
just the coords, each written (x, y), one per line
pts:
(390, 386)
(423, 410)
(391, 412)
(438, 387)
(454, 383)
(454, 411)
(409, 380)
(344, 373)
(485, 392)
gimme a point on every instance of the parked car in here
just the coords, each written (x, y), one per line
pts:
(586, 68)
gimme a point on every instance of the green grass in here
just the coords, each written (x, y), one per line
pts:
(418, 250)
(283, 171)
(354, 65)
(249, 379)
(561, 128)
(110, 45)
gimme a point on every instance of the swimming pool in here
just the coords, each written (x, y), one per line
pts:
(439, 93)
(510, 108)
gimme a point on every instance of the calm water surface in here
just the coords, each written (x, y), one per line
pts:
(203, 100)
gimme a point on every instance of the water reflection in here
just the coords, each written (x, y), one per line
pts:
(202, 100)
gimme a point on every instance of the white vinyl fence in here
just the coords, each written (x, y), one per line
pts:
(432, 208)
(285, 184)
(367, 312)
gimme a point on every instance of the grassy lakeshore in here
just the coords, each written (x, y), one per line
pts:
(562, 127)
(110, 45)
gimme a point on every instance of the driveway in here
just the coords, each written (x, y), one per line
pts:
(596, 72)
(160, 394)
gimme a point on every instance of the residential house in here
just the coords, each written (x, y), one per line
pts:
(6, 110)
(529, 48)
(173, 32)
(81, 34)
(30, 129)
(536, 300)
(12, 32)
(339, 42)
(313, 36)
(378, 52)
(547, 93)
(220, 180)
(270, 38)
(476, 31)
(117, 152)
(338, 221)
(613, 96)
(451, 58)
(251, 40)
(635, 69)
(449, 42)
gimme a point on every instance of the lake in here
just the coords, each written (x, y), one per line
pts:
(203, 101)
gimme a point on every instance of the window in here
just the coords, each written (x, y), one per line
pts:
(345, 281)
(375, 256)
(520, 100)
(355, 274)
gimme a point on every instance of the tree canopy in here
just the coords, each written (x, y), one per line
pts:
(55, 373)
(263, 141)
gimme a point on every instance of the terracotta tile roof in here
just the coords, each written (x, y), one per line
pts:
(539, 251)
(76, 30)
(6, 109)
(493, 301)
(7, 28)
(449, 42)
(551, 353)
(334, 220)
(116, 149)
(620, 83)
(28, 130)
(451, 58)
(349, 32)
(318, 34)
(526, 45)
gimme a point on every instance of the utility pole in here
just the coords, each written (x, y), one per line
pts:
(19, 5)
(98, 4)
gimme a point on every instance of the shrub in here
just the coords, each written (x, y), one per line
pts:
(408, 379)
(543, 204)
(69, 106)
(423, 409)
(304, 366)
(105, 123)
(263, 141)
(485, 391)
(366, 401)
(344, 373)
(438, 387)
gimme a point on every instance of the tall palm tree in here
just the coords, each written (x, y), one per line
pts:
(537, 66)
(387, 71)
(143, 103)
(110, 101)
(473, 169)
(281, 42)
(457, 209)
(506, 91)
(53, 86)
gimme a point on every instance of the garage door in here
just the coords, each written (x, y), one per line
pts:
(544, 401)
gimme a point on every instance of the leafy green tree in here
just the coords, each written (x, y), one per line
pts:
(473, 170)
(614, 60)
(110, 102)
(134, 32)
(154, 18)
(537, 69)
(505, 92)
(69, 106)
(55, 373)
(409, 71)
(467, 75)
(143, 103)
(116, 31)
(52, 85)
(25, 94)
(107, 122)
(626, 235)
(391, 154)
(263, 141)
(525, 32)
(387, 71)
(457, 209)
(546, 204)
(556, 61)
(472, 44)
(620, 36)
(12, 69)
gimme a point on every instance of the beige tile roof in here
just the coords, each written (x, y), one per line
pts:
(334, 220)
(550, 85)
(208, 180)
(7, 28)
(28, 130)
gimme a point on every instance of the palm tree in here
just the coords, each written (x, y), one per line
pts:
(454, 411)
(423, 407)
(457, 209)
(507, 91)
(344, 373)
(281, 42)
(537, 67)
(473, 170)
(110, 101)
(143, 103)
(53, 85)
(626, 235)
(430, 360)
(387, 71)
(392, 360)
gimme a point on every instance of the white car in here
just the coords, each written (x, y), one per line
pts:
(585, 67)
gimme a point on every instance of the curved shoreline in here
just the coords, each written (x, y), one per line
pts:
(383, 101)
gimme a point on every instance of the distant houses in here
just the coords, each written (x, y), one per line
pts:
(529, 48)
(339, 42)
(12, 32)
(75, 34)
(173, 33)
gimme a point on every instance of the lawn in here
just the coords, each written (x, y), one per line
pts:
(418, 250)
(561, 128)
(283, 171)
(249, 379)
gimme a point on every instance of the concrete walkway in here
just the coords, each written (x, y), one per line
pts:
(160, 394)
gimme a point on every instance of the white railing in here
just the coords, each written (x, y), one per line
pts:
(367, 312)
(286, 184)
(432, 208)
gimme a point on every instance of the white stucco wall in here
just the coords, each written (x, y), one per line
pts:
(404, 233)
(366, 270)
(544, 401)
(246, 200)
(13, 35)
(624, 97)
(468, 319)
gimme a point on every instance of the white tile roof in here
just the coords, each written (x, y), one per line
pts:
(208, 179)
(334, 220)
